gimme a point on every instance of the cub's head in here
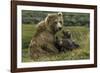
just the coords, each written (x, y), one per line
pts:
(66, 34)
(54, 21)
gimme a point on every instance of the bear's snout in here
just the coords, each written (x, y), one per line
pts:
(59, 26)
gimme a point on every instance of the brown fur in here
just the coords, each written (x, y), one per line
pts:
(42, 42)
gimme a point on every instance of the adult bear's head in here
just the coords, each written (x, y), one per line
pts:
(54, 22)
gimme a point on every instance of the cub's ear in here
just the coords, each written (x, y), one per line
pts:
(60, 14)
(66, 31)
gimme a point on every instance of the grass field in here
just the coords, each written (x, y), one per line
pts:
(79, 34)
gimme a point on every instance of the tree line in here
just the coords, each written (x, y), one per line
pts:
(70, 18)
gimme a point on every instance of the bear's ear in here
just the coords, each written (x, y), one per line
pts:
(47, 18)
(60, 14)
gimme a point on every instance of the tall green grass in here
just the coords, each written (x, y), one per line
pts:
(28, 31)
(79, 34)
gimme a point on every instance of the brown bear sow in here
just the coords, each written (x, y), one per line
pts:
(43, 41)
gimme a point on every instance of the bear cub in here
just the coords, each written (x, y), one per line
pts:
(65, 42)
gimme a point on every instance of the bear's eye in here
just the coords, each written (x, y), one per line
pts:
(55, 22)
(60, 22)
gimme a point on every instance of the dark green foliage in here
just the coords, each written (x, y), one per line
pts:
(70, 19)
(76, 19)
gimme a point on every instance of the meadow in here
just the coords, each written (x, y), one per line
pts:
(79, 33)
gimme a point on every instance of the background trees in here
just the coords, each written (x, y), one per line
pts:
(70, 19)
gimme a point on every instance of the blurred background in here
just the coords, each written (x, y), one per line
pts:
(70, 19)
